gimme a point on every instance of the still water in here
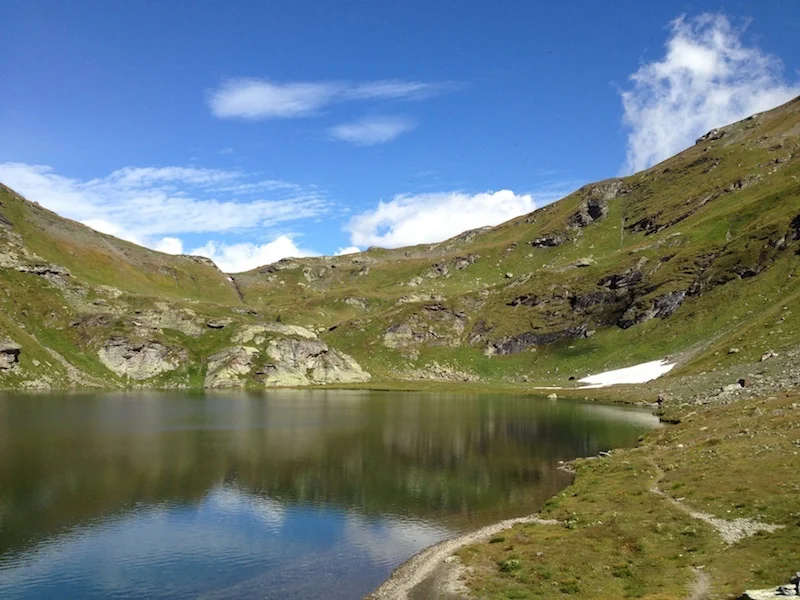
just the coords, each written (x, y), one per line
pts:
(289, 494)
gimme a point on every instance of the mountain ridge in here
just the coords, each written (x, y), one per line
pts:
(669, 261)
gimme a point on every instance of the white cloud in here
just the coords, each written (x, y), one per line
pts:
(707, 78)
(426, 218)
(236, 258)
(145, 204)
(372, 130)
(395, 89)
(259, 99)
(348, 250)
(111, 229)
(251, 98)
(169, 245)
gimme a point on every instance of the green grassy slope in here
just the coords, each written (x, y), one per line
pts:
(689, 258)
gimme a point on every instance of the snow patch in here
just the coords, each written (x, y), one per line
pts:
(636, 374)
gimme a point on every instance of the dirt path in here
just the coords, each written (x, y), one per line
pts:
(731, 531)
(701, 588)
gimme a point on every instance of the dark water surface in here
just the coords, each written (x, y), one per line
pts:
(286, 494)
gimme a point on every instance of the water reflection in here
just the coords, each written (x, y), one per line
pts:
(267, 495)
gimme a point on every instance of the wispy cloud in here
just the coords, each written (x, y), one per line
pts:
(154, 206)
(253, 99)
(370, 131)
(706, 79)
(425, 218)
(171, 200)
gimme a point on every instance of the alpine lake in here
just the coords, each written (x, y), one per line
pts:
(314, 494)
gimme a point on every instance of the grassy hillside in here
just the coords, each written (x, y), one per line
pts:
(690, 258)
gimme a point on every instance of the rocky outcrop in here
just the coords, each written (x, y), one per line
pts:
(218, 323)
(313, 274)
(139, 360)
(3, 221)
(359, 303)
(258, 333)
(434, 324)
(226, 369)
(596, 197)
(414, 298)
(401, 335)
(713, 135)
(791, 589)
(587, 300)
(529, 339)
(661, 307)
(278, 355)
(550, 240)
(438, 372)
(165, 316)
(525, 300)
(301, 362)
(9, 355)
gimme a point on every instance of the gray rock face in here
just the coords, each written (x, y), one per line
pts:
(549, 241)
(359, 303)
(138, 360)
(523, 341)
(226, 368)
(9, 354)
(595, 204)
(662, 307)
(282, 362)
(258, 333)
(792, 589)
(308, 362)
(434, 324)
(168, 317)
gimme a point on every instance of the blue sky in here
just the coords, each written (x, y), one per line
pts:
(252, 131)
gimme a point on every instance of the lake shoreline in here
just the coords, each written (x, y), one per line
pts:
(553, 541)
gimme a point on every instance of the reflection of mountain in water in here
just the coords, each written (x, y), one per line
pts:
(456, 460)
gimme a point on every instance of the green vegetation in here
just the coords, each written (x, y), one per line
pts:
(697, 258)
(619, 539)
(686, 259)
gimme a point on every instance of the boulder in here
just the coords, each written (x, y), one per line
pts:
(359, 303)
(549, 241)
(9, 354)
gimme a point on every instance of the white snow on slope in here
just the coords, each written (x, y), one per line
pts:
(635, 374)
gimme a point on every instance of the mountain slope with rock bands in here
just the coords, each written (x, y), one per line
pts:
(696, 258)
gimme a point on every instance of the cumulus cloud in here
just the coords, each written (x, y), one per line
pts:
(707, 78)
(236, 258)
(145, 204)
(252, 99)
(372, 130)
(169, 245)
(425, 218)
